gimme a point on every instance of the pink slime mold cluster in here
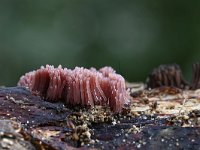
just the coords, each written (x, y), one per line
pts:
(83, 87)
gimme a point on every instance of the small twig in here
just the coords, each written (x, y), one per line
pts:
(183, 105)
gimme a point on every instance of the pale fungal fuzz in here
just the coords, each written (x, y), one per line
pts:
(83, 87)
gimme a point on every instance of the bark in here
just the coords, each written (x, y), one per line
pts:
(161, 118)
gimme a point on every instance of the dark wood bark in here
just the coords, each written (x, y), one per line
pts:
(161, 118)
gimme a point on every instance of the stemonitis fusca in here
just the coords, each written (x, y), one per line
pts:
(81, 86)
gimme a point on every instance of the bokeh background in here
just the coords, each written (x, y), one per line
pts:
(132, 36)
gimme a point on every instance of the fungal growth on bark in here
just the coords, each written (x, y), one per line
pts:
(167, 75)
(83, 87)
(196, 76)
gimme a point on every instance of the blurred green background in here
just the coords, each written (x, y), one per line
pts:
(131, 36)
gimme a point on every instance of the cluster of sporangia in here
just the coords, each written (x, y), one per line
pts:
(90, 87)
(171, 75)
(83, 87)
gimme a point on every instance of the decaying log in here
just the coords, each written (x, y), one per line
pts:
(159, 118)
